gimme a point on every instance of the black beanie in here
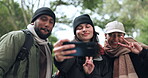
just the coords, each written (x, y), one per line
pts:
(85, 18)
(43, 11)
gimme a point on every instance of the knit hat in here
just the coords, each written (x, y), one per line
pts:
(85, 18)
(114, 26)
(43, 11)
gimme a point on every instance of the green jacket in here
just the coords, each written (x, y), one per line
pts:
(10, 45)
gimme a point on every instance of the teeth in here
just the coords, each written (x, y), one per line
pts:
(115, 42)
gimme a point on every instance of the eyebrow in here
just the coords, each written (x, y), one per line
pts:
(52, 19)
(47, 17)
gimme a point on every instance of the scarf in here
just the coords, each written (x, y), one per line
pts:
(123, 67)
(48, 52)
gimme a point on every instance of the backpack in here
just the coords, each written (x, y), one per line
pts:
(24, 52)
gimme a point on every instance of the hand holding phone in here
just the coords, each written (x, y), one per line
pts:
(59, 54)
(83, 48)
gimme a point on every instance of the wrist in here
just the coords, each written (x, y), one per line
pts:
(58, 59)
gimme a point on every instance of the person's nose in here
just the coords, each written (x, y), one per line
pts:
(84, 29)
(116, 38)
(47, 24)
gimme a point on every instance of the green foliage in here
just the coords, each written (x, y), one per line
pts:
(142, 25)
(129, 25)
(3, 23)
(101, 23)
(132, 13)
(111, 7)
(11, 17)
(92, 4)
(52, 39)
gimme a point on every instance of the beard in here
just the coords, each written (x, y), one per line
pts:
(40, 34)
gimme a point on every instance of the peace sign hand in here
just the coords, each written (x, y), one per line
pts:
(133, 46)
(89, 65)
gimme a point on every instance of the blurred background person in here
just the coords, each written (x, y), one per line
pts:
(129, 59)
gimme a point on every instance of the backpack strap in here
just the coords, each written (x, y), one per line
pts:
(26, 46)
(24, 52)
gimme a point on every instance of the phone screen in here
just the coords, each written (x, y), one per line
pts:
(83, 48)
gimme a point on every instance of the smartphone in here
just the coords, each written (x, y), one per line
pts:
(83, 48)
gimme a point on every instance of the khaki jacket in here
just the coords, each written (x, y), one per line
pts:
(10, 45)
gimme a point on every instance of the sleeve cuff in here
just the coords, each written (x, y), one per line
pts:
(90, 75)
(57, 64)
(143, 53)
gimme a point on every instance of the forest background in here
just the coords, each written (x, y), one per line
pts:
(16, 14)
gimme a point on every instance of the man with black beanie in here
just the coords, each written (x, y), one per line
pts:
(43, 11)
(37, 62)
